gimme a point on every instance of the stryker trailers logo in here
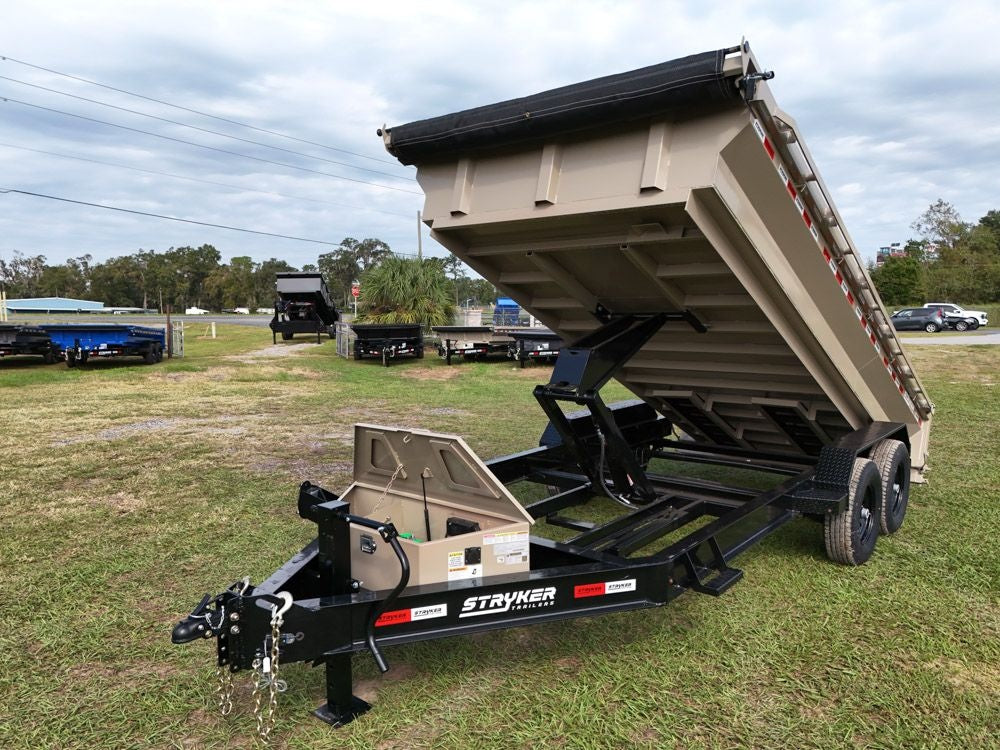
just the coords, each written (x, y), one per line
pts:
(492, 604)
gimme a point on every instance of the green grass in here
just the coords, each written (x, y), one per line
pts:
(129, 491)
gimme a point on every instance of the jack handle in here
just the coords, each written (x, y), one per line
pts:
(389, 534)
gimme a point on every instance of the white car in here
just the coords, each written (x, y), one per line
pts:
(959, 318)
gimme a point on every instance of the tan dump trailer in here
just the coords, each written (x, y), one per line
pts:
(671, 226)
(680, 187)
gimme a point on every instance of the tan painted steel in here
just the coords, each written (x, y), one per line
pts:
(388, 465)
(693, 213)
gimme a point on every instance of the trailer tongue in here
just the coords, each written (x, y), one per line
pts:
(670, 226)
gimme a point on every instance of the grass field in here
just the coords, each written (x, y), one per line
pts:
(128, 491)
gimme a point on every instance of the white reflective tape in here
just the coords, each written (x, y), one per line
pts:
(759, 129)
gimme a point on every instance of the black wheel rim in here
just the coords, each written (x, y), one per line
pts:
(866, 530)
(895, 499)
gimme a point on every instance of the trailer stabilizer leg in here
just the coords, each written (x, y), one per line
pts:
(342, 706)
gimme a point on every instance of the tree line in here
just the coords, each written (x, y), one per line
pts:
(185, 277)
(949, 260)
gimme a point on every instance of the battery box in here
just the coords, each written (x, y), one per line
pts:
(477, 528)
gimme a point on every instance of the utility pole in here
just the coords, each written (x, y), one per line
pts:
(420, 246)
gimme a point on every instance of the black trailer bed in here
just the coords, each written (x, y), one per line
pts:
(388, 341)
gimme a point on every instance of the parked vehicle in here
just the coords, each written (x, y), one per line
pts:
(929, 319)
(19, 339)
(958, 318)
(304, 305)
(388, 341)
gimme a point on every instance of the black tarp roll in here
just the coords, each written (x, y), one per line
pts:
(692, 82)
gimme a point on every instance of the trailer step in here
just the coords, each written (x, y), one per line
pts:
(718, 585)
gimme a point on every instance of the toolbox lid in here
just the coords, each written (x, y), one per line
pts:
(453, 473)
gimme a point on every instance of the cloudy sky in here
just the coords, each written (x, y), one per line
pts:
(898, 102)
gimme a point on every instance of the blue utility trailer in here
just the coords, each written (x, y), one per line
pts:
(20, 339)
(506, 312)
(81, 341)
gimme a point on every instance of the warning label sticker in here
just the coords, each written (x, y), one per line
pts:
(509, 548)
(457, 568)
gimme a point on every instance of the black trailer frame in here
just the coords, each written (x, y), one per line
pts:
(19, 340)
(633, 561)
(388, 341)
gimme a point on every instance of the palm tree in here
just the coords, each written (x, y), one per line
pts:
(406, 290)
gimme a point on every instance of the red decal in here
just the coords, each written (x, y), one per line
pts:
(872, 337)
(826, 255)
(806, 219)
(395, 617)
(885, 361)
(588, 589)
(850, 298)
(768, 147)
(838, 277)
(901, 389)
(791, 189)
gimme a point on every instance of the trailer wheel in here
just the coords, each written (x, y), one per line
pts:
(893, 463)
(850, 534)
(150, 356)
(357, 354)
(420, 352)
(385, 358)
(286, 336)
(70, 359)
(49, 357)
(159, 353)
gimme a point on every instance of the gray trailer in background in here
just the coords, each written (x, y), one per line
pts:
(17, 340)
(304, 305)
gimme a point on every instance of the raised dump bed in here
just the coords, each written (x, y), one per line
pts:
(80, 342)
(676, 189)
(304, 305)
(18, 340)
(670, 225)
(388, 341)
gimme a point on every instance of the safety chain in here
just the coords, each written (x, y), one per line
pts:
(378, 503)
(266, 677)
(224, 689)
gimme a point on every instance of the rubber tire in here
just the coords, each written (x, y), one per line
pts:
(961, 326)
(70, 361)
(150, 356)
(49, 357)
(159, 353)
(850, 535)
(385, 358)
(357, 355)
(893, 463)
(973, 325)
(286, 336)
(420, 353)
(931, 328)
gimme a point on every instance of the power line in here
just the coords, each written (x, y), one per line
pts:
(193, 111)
(5, 191)
(209, 148)
(205, 130)
(198, 179)
(169, 218)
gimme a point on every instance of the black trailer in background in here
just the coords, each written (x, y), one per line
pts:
(304, 305)
(388, 341)
(533, 345)
(16, 340)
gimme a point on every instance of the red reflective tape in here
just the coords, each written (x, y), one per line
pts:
(885, 361)
(791, 189)
(872, 337)
(807, 220)
(768, 147)
(826, 255)
(850, 298)
(838, 277)
(395, 617)
(588, 589)
(864, 323)
(901, 390)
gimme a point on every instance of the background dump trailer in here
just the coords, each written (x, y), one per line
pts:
(533, 345)
(304, 305)
(18, 340)
(670, 225)
(387, 341)
(81, 341)
(697, 195)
